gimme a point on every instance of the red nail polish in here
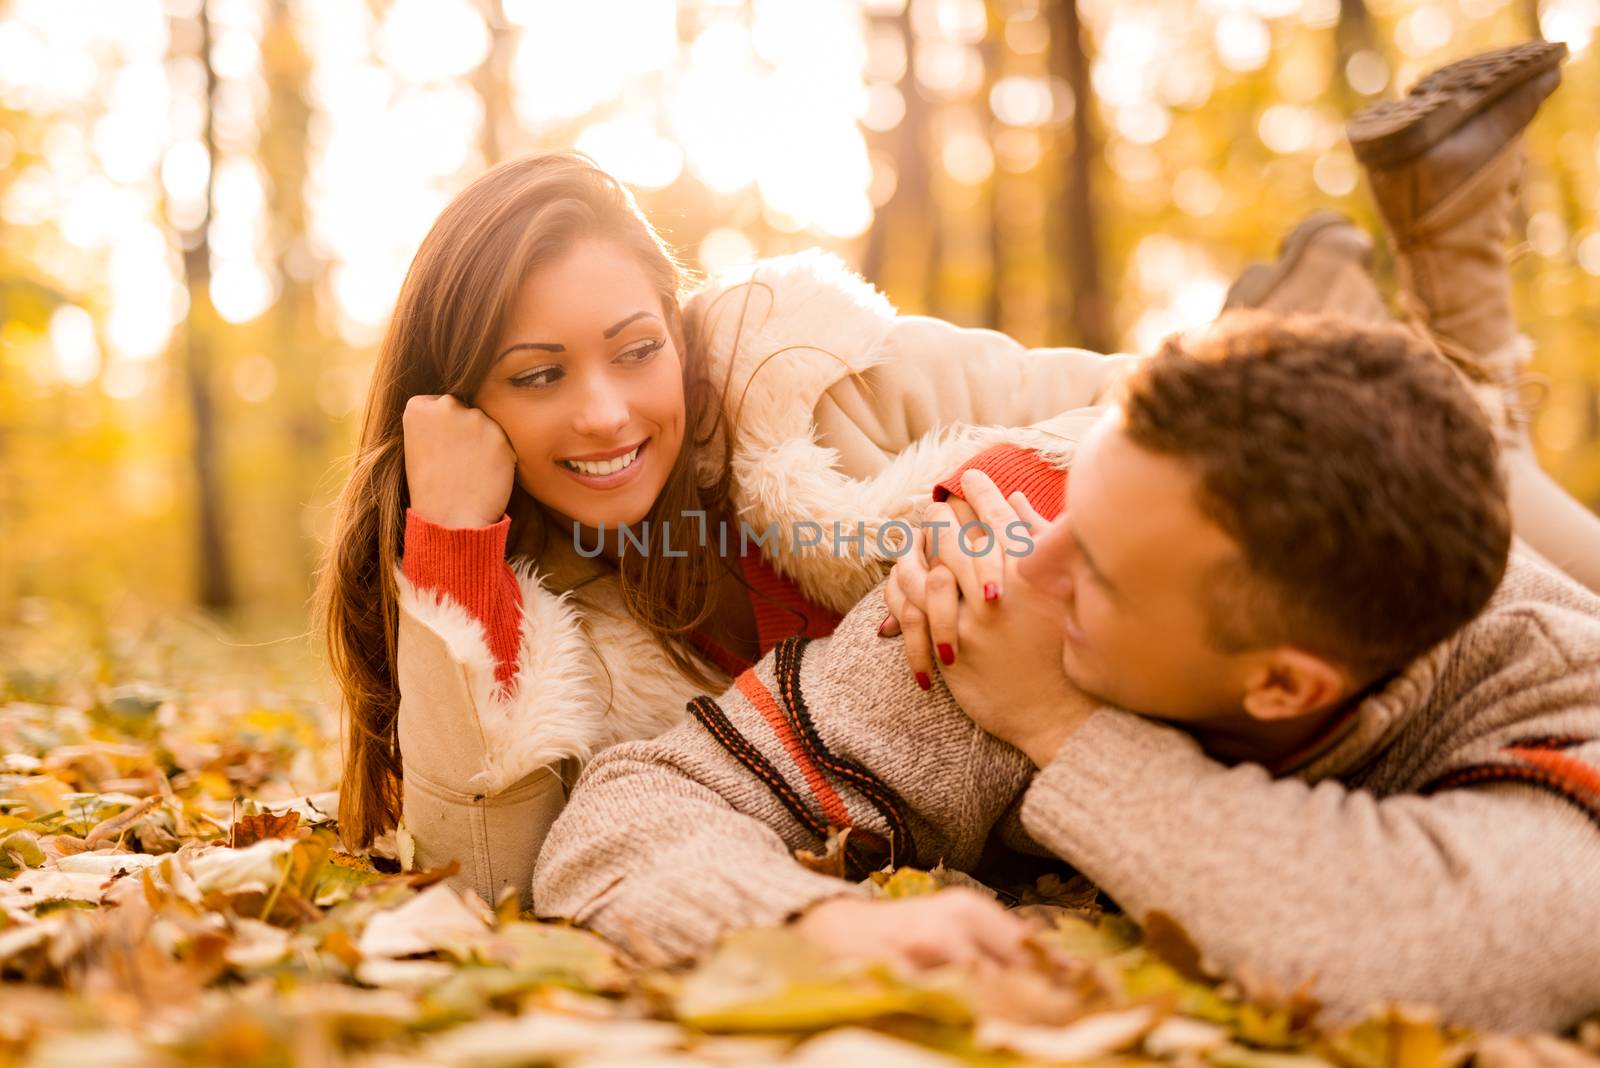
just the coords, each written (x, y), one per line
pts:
(947, 655)
(923, 680)
(991, 591)
(884, 626)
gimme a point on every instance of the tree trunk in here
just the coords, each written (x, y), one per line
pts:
(1353, 33)
(993, 70)
(912, 206)
(300, 349)
(492, 80)
(216, 590)
(1086, 316)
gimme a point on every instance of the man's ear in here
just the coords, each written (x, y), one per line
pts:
(1290, 682)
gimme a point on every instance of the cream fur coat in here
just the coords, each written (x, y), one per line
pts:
(843, 411)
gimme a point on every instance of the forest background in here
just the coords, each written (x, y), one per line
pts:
(207, 206)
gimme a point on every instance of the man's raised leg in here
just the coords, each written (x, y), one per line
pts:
(1443, 163)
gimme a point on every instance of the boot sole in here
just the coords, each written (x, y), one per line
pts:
(1390, 133)
(1252, 287)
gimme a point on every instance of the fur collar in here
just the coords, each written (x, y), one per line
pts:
(779, 334)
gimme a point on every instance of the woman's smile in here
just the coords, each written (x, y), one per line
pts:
(606, 470)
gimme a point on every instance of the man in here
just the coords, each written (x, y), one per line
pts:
(1288, 541)
(1283, 542)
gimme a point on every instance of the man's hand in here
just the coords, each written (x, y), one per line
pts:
(955, 926)
(1004, 662)
(459, 464)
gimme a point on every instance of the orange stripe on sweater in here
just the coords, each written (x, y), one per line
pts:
(1574, 772)
(756, 692)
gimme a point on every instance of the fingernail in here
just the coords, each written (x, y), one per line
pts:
(947, 655)
(923, 680)
(884, 626)
(991, 591)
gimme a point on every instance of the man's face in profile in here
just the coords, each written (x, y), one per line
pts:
(1130, 559)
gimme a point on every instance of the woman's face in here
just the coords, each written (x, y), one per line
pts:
(588, 386)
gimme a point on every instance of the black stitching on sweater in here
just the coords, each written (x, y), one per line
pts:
(715, 721)
(1526, 775)
(1550, 741)
(787, 658)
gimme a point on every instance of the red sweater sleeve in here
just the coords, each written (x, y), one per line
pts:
(1014, 468)
(468, 564)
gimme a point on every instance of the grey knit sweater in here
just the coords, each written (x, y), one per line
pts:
(1442, 847)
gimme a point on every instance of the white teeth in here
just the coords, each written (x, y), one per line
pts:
(603, 467)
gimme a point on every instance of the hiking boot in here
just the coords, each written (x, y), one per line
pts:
(1443, 163)
(1323, 265)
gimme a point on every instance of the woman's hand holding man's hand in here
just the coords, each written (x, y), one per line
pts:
(459, 464)
(999, 640)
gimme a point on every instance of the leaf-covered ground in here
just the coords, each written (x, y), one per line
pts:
(172, 893)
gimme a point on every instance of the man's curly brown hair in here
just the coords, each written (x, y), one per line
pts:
(1353, 468)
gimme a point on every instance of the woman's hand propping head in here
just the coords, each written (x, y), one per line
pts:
(459, 464)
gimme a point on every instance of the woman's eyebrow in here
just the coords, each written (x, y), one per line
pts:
(546, 346)
(617, 329)
(542, 346)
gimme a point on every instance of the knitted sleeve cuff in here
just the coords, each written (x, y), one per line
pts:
(1014, 468)
(468, 564)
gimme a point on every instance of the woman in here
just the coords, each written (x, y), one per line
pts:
(540, 385)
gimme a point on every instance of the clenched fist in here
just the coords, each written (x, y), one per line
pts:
(459, 464)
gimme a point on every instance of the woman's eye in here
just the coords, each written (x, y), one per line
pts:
(544, 376)
(640, 353)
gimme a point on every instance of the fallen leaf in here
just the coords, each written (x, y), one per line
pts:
(410, 975)
(1166, 938)
(232, 871)
(437, 917)
(115, 825)
(1180, 1035)
(775, 979)
(1087, 1038)
(1236, 1056)
(256, 944)
(856, 1045)
(905, 882)
(1096, 939)
(538, 1038)
(248, 830)
(832, 860)
(559, 954)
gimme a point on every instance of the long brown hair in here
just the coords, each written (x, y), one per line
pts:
(441, 340)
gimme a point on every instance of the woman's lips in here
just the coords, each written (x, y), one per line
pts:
(619, 451)
(616, 478)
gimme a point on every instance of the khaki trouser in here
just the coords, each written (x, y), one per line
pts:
(1550, 520)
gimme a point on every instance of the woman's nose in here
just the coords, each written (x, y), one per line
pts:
(602, 413)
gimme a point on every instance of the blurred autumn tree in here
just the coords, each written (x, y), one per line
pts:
(208, 206)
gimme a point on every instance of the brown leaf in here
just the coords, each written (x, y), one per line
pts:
(248, 830)
(831, 861)
(63, 845)
(1166, 938)
(115, 825)
(341, 945)
(420, 880)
